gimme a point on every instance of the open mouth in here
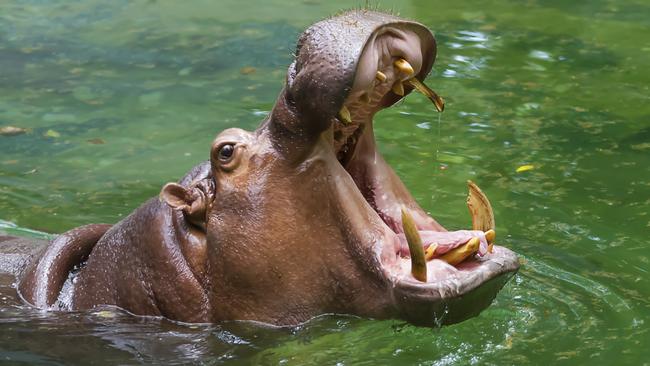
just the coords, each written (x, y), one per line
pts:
(424, 261)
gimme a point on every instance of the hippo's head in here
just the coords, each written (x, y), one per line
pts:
(303, 216)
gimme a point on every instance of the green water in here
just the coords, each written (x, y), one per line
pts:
(121, 96)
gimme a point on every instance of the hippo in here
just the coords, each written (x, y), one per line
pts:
(299, 218)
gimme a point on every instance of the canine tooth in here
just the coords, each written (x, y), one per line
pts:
(344, 115)
(437, 100)
(479, 208)
(430, 252)
(404, 66)
(457, 255)
(398, 88)
(418, 263)
(380, 76)
(482, 214)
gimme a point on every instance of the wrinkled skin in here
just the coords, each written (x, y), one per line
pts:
(298, 218)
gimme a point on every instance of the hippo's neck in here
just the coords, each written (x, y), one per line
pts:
(141, 265)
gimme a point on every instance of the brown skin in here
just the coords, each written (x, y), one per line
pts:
(293, 220)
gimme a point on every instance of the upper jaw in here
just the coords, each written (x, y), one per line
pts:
(339, 56)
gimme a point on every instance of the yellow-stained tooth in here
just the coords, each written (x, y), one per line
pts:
(481, 212)
(430, 252)
(344, 115)
(437, 100)
(380, 76)
(398, 88)
(418, 263)
(457, 255)
(490, 235)
(479, 208)
(404, 66)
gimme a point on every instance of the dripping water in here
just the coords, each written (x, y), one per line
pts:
(438, 139)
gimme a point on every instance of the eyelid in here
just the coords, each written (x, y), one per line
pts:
(235, 158)
(224, 143)
(220, 146)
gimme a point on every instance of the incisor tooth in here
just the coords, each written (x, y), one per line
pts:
(344, 115)
(437, 100)
(430, 252)
(380, 76)
(490, 235)
(398, 88)
(418, 263)
(404, 66)
(459, 254)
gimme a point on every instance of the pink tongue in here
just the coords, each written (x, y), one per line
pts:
(446, 240)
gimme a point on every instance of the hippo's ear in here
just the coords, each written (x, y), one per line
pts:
(192, 200)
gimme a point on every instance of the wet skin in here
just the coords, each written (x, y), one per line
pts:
(298, 218)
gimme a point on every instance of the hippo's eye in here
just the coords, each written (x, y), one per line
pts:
(226, 152)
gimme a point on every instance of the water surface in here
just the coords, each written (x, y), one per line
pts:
(121, 97)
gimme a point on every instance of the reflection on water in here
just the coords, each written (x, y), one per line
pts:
(120, 97)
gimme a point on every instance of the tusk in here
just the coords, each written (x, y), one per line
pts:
(380, 76)
(429, 93)
(398, 88)
(418, 264)
(479, 208)
(430, 252)
(344, 115)
(404, 66)
(457, 255)
(481, 212)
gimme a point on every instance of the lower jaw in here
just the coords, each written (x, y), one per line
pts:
(451, 293)
(455, 299)
(396, 265)
(458, 291)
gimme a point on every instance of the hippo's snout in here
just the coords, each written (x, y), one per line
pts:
(347, 69)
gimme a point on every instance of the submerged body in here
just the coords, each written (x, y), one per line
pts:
(301, 217)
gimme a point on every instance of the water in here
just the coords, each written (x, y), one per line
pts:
(120, 97)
